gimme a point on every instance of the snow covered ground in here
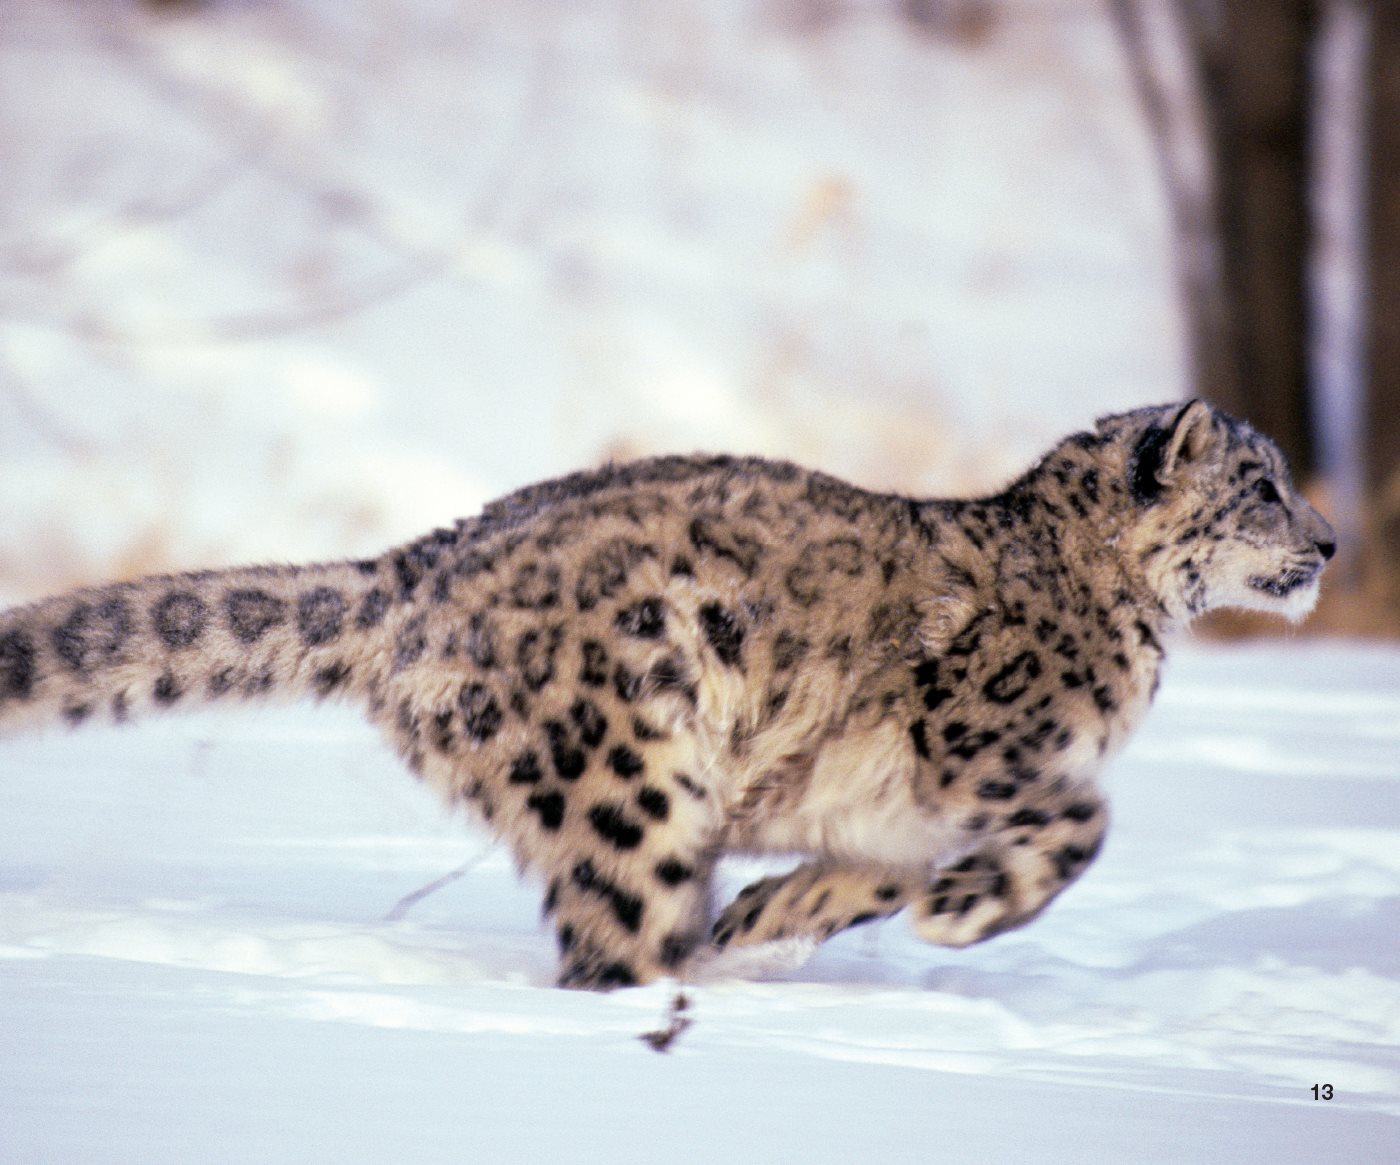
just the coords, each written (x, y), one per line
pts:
(197, 964)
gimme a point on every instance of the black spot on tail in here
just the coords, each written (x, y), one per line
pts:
(253, 613)
(179, 618)
(372, 609)
(320, 616)
(94, 635)
(167, 690)
(412, 564)
(17, 665)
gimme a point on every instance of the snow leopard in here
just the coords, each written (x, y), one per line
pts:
(633, 672)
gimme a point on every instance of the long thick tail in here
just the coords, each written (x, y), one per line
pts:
(117, 651)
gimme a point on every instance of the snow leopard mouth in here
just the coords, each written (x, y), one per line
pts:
(1283, 585)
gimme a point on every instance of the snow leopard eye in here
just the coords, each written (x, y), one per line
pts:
(1267, 491)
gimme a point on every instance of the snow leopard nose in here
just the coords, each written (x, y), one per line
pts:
(1319, 532)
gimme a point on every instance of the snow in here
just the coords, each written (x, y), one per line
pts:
(201, 959)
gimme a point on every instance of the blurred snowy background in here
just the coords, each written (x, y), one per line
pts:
(295, 280)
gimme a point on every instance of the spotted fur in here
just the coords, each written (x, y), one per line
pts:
(632, 672)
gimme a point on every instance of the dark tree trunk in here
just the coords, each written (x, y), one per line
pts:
(1257, 107)
(1383, 308)
(1236, 169)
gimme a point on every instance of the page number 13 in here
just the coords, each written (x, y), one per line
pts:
(1322, 1091)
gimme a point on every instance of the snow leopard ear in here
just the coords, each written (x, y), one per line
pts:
(1160, 452)
(1192, 437)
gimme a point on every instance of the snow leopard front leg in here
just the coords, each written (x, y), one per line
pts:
(812, 902)
(1021, 867)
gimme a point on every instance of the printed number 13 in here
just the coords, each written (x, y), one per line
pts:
(1322, 1092)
